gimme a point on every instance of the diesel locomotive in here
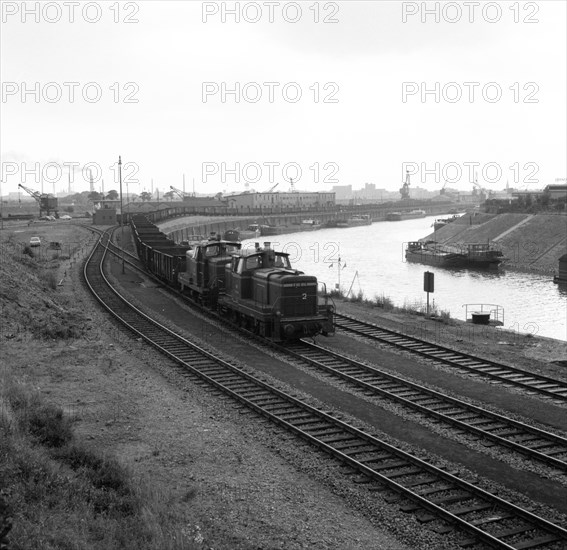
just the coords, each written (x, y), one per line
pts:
(256, 289)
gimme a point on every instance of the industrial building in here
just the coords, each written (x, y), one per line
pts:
(292, 200)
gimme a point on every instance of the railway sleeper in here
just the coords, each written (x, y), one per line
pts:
(338, 439)
(545, 386)
(255, 392)
(348, 447)
(432, 490)
(404, 473)
(421, 480)
(268, 400)
(540, 447)
(459, 497)
(388, 466)
(291, 416)
(324, 431)
(280, 407)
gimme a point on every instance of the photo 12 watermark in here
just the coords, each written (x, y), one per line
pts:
(69, 12)
(270, 12)
(469, 92)
(269, 172)
(469, 12)
(269, 92)
(327, 252)
(69, 92)
(56, 172)
(491, 172)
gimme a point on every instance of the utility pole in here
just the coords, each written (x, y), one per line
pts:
(121, 212)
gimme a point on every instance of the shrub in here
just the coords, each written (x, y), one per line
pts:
(113, 491)
(384, 302)
(336, 293)
(48, 425)
(359, 297)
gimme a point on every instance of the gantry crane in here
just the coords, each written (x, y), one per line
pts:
(47, 202)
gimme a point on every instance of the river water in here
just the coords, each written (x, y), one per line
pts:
(372, 261)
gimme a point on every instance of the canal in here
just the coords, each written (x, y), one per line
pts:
(372, 262)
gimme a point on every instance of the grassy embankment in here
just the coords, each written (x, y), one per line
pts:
(385, 303)
(56, 490)
(528, 242)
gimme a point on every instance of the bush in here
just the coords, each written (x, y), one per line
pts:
(357, 298)
(48, 425)
(113, 491)
(336, 293)
(384, 302)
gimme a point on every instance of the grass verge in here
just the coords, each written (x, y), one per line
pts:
(56, 492)
(416, 307)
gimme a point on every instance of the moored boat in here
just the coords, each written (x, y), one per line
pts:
(399, 216)
(442, 222)
(355, 221)
(305, 225)
(467, 255)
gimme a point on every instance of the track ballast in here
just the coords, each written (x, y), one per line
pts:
(484, 516)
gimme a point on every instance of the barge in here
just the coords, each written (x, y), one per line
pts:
(400, 216)
(468, 255)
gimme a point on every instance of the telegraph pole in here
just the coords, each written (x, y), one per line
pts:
(121, 212)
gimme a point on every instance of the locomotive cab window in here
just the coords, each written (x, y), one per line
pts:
(282, 260)
(254, 262)
(240, 266)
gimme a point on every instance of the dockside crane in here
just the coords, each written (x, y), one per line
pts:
(47, 202)
(480, 191)
(404, 190)
(179, 193)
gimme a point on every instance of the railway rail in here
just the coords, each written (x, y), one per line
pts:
(533, 443)
(426, 490)
(546, 387)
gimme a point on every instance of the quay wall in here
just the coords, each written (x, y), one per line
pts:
(180, 229)
(530, 242)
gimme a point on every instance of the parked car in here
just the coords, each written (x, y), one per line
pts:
(65, 217)
(35, 241)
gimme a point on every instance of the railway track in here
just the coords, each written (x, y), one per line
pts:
(532, 383)
(425, 490)
(533, 443)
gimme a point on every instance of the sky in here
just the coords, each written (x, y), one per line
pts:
(237, 96)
